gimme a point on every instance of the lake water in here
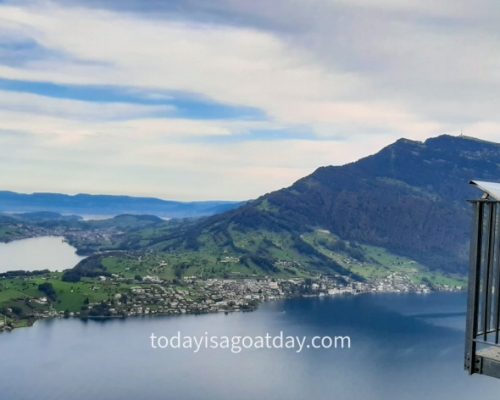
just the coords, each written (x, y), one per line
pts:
(47, 252)
(404, 347)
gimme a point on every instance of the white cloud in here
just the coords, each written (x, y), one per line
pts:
(231, 65)
(366, 72)
(61, 132)
(77, 109)
(188, 171)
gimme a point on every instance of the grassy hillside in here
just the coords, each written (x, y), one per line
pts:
(410, 198)
(266, 253)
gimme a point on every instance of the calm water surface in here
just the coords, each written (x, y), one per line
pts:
(48, 252)
(403, 347)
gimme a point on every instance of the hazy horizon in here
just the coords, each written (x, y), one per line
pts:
(145, 195)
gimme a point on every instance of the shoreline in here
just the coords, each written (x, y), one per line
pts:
(31, 322)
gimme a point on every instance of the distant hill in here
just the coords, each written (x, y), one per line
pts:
(107, 205)
(409, 198)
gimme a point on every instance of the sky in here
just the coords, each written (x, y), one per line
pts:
(230, 99)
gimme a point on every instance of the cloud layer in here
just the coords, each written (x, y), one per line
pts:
(307, 83)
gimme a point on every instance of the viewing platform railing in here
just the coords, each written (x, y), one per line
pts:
(482, 349)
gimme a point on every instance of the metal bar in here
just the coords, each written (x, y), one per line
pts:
(491, 330)
(475, 264)
(486, 343)
(483, 271)
(496, 266)
(490, 253)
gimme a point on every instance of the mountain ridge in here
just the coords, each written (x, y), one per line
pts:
(91, 204)
(410, 197)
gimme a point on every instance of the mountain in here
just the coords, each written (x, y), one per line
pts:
(410, 198)
(106, 205)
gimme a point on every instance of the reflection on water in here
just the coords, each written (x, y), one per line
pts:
(48, 252)
(399, 351)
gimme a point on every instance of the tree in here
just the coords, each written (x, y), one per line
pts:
(71, 276)
(48, 289)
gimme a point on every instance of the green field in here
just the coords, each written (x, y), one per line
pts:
(371, 262)
(70, 296)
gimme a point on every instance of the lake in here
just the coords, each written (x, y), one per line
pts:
(404, 347)
(47, 252)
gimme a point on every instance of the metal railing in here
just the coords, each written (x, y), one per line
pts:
(482, 350)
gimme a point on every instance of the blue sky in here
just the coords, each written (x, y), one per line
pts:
(230, 99)
(185, 105)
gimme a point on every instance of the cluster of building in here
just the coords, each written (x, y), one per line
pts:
(398, 282)
(194, 295)
(152, 296)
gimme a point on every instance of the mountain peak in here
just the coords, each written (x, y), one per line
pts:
(445, 139)
(410, 198)
(460, 140)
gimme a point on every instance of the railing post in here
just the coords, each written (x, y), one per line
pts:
(474, 286)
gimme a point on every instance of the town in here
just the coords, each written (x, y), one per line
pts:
(192, 295)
